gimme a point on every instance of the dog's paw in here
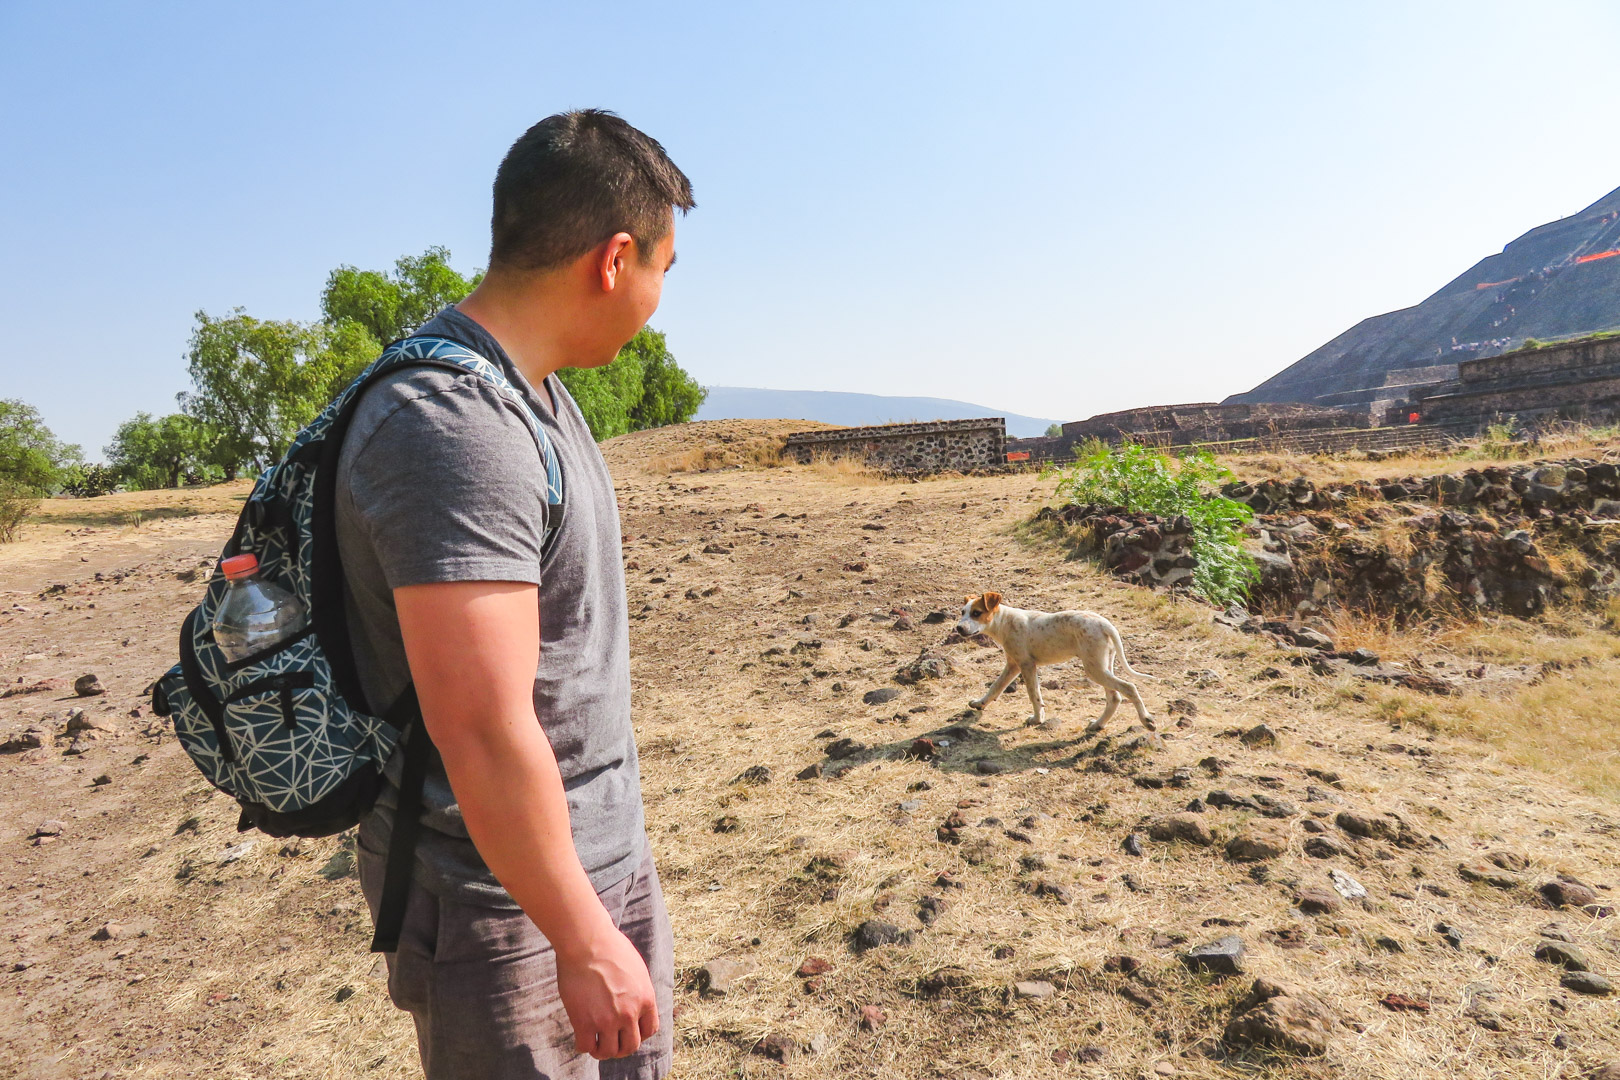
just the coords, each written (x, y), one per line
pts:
(1150, 723)
(977, 705)
(1094, 727)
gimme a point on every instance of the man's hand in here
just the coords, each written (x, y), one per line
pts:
(608, 995)
(473, 649)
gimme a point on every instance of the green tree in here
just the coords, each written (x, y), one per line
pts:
(606, 395)
(668, 394)
(160, 453)
(391, 305)
(33, 462)
(257, 382)
(1054, 430)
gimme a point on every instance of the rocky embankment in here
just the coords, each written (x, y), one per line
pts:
(1494, 539)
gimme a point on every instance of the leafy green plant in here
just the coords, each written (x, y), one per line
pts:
(1149, 481)
(89, 481)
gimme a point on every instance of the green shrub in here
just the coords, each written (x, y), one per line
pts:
(1149, 481)
(89, 481)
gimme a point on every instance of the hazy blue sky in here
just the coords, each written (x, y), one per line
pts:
(1050, 208)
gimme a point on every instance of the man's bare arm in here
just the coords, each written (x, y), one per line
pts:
(473, 649)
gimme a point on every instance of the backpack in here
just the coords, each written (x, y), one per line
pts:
(288, 732)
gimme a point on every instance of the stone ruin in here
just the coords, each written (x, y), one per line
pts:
(910, 449)
(1494, 539)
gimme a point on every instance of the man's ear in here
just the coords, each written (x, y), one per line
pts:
(610, 259)
(992, 600)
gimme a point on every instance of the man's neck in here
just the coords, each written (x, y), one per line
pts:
(527, 318)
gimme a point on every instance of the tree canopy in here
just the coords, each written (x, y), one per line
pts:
(163, 452)
(31, 457)
(390, 306)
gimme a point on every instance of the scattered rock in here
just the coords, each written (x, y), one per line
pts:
(1486, 874)
(1562, 893)
(881, 696)
(872, 1018)
(926, 666)
(812, 966)
(777, 1047)
(720, 977)
(986, 767)
(1189, 828)
(728, 823)
(874, 933)
(845, 748)
(111, 931)
(1315, 900)
(809, 772)
(48, 828)
(344, 993)
(1259, 735)
(1132, 844)
(1035, 988)
(1281, 1018)
(88, 686)
(1564, 955)
(754, 775)
(1222, 957)
(1257, 844)
(1346, 886)
(1366, 826)
(1587, 982)
(27, 740)
(1325, 847)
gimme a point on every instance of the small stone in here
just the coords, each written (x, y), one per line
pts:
(1034, 988)
(777, 1048)
(1054, 891)
(49, 828)
(1003, 952)
(1259, 735)
(1486, 874)
(814, 965)
(1189, 828)
(1365, 826)
(1564, 955)
(874, 933)
(986, 767)
(101, 781)
(1132, 844)
(845, 748)
(235, 854)
(881, 696)
(1346, 886)
(111, 932)
(872, 1018)
(754, 775)
(720, 976)
(1587, 982)
(1315, 900)
(1282, 1018)
(809, 772)
(1325, 847)
(728, 823)
(1222, 957)
(88, 686)
(1320, 794)
(344, 994)
(1257, 845)
(1567, 894)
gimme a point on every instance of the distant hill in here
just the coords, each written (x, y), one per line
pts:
(1557, 280)
(852, 410)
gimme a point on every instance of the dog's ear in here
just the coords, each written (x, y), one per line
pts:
(969, 599)
(992, 600)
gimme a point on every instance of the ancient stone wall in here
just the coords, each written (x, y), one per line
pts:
(940, 445)
(1578, 379)
(1179, 425)
(1496, 539)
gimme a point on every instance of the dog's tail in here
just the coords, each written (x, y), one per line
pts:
(1119, 651)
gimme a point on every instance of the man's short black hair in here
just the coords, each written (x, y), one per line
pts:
(575, 179)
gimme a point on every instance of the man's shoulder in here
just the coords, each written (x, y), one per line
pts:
(429, 405)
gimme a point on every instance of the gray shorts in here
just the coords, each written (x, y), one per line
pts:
(481, 984)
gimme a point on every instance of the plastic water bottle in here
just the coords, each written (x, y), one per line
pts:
(255, 615)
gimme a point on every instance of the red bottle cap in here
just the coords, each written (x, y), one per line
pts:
(239, 566)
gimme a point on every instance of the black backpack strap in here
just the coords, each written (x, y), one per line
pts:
(406, 716)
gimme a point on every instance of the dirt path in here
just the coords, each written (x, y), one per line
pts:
(757, 652)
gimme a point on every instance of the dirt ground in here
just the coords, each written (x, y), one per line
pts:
(144, 940)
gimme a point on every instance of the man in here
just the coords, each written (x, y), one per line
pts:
(535, 941)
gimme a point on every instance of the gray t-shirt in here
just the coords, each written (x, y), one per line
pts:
(440, 480)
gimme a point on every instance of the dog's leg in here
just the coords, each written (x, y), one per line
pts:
(996, 687)
(1032, 683)
(1115, 686)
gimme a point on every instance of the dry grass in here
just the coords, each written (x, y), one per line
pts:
(711, 700)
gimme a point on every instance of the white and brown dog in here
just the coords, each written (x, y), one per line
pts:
(1032, 638)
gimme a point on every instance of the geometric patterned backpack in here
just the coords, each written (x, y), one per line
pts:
(288, 732)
